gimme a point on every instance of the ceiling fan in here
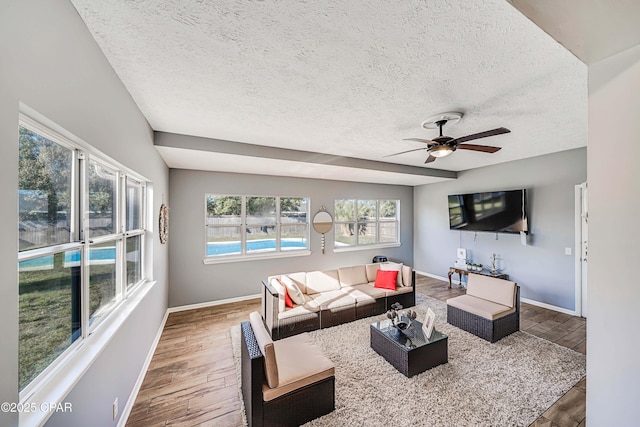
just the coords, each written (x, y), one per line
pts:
(442, 146)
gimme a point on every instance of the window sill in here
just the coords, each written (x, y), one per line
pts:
(366, 247)
(56, 386)
(240, 258)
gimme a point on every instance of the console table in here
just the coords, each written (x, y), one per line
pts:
(461, 272)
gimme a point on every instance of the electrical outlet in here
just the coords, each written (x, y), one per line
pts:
(567, 251)
(115, 409)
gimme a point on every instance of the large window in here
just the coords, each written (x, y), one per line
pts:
(366, 222)
(240, 226)
(80, 245)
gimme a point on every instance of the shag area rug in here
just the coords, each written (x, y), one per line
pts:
(508, 383)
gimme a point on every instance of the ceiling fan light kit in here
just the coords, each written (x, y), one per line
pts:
(443, 146)
(441, 151)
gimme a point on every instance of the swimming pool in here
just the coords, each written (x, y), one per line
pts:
(228, 248)
(71, 258)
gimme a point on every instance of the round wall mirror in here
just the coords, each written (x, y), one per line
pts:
(322, 223)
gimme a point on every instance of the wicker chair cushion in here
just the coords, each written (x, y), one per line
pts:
(322, 281)
(351, 276)
(300, 363)
(492, 289)
(333, 299)
(480, 307)
(266, 347)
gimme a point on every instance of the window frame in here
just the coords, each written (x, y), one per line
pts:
(357, 222)
(245, 255)
(93, 336)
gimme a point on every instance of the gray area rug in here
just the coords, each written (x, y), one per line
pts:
(508, 383)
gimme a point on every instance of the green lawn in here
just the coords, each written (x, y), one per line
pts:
(46, 327)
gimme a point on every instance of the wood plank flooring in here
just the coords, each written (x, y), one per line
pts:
(191, 380)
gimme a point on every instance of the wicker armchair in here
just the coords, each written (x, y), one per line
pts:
(489, 310)
(289, 404)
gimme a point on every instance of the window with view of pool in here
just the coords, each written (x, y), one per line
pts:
(230, 248)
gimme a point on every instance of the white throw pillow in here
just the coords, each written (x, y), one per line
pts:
(294, 291)
(393, 266)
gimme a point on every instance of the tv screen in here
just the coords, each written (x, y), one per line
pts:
(495, 211)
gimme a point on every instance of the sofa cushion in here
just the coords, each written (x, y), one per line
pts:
(492, 289)
(266, 347)
(400, 290)
(300, 363)
(392, 266)
(351, 276)
(364, 293)
(372, 269)
(279, 287)
(480, 307)
(292, 289)
(407, 276)
(309, 306)
(299, 279)
(386, 279)
(322, 281)
(333, 299)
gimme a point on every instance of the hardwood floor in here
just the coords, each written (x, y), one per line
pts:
(191, 380)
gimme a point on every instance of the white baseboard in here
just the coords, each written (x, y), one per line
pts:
(126, 411)
(212, 303)
(548, 306)
(526, 300)
(435, 276)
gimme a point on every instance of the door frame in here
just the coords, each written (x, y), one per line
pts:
(580, 284)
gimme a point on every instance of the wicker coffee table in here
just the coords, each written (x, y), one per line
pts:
(410, 354)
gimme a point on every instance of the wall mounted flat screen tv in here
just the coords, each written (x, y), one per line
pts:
(494, 211)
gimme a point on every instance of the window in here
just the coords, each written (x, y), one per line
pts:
(241, 226)
(366, 222)
(80, 245)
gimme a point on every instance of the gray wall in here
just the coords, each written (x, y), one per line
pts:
(194, 282)
(614, 202)
(49, 61)
(541, 268)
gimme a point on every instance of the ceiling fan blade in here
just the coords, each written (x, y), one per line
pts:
(485, 134)
(426, 141)
(408, 151)
(430, 159)
(483, 148)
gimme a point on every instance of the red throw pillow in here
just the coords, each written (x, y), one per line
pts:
(287, 299)
(386, 279)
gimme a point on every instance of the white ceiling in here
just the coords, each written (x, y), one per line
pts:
(343, 77)
(591, 29)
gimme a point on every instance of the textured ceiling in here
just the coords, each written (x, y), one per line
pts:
(591, 29)
(345, 77)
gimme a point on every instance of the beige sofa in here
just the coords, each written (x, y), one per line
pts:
(332, 297)
(490, 309)
(284, 383)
